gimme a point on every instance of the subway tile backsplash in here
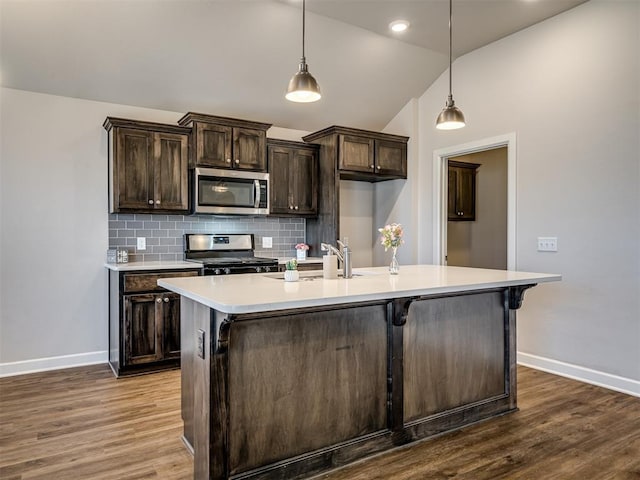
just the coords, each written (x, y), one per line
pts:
(164, 233)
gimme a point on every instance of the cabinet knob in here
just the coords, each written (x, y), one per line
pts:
(237, 161)
(228, 160)
(296, 207)
(378, 167)
(157, 202)
(290, 207)
(372, 166)
(150, 202)
(166, 300)
(159, 300)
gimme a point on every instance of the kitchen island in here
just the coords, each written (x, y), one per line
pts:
(283, 380)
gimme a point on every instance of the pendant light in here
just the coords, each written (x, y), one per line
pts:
(303, 87)
(451, 116)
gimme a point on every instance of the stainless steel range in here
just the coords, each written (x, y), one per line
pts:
(226, 254)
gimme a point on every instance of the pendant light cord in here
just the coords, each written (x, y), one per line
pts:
(303, 28)
(450, 47)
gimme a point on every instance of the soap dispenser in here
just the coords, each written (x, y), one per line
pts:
(329, 266)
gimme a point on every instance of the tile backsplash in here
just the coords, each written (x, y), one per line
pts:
(164, 233)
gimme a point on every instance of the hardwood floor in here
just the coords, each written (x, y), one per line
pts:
(83, 423)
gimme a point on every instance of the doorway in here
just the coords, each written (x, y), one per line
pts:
(477, 210)
(463, 234)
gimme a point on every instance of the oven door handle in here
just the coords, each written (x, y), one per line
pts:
(256, 203)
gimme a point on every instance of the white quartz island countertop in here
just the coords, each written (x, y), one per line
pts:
(268, 291)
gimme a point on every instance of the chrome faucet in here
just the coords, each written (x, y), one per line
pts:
(344, 256)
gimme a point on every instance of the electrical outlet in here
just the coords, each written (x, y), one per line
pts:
(267, 242)
(547, 244)
(141, 243)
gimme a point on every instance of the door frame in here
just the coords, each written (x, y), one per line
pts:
(440, 192)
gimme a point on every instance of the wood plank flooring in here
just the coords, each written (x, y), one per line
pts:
(83, 423)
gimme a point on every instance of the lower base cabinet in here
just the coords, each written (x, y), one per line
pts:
(144, 322)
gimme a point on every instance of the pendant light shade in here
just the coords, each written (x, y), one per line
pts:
(451, 116)
(303, 88)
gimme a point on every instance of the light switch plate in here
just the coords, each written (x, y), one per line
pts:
(267, 242)
(141, 243)
(547, 244)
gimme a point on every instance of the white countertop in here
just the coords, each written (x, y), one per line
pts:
(261, 292)
(124, 267)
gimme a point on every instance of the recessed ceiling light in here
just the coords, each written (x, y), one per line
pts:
(399, 25)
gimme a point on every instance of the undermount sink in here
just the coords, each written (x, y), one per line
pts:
(311, 275)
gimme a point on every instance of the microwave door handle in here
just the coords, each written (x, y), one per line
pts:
(256, 203)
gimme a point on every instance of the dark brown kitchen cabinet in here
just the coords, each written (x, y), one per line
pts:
(348, 154)
(144, 321)
(293, 174)
(378, 159)
(148, 166)
(462, 191)
(221, 142)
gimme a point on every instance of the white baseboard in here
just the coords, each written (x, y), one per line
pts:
(52, 363)
(582, 374)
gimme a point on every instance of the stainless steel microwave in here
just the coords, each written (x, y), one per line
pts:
(230, 192)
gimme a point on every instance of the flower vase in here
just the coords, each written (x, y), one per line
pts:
(394, 266)
(301, 254)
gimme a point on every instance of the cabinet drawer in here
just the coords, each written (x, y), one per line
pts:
(148, 282)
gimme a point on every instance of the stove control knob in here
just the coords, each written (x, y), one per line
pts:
(267, 269)
(217, 271)
(227, 271)
(258, 269)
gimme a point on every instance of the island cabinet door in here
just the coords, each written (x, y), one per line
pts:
(302, 382)
(454, 353)
(142, 338)
(170, 325)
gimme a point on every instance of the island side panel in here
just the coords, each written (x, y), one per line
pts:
(303, 381)
(454, 353)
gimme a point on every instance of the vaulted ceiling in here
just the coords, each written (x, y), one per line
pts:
(235, 57)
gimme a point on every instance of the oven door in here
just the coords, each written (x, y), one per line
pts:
(230, 192)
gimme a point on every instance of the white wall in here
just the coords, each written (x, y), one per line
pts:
(569, 88)
(54, 227)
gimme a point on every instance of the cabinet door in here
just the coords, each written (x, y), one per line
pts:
(133, 169)
(213, 145)
(391, 158)
(466, 198)
(280, 196)
(171, 182)
(303, 182)
(171, 325)
(249, 149)
(355, 153)
(142, 335)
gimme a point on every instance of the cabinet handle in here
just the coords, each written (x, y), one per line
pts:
(159, 300)
(378, 167)
(150, 202)
(166, 300)
(228, 160)
(290, 207)
(296, 207)
(372, 166)
(237, 161)
(157, 202)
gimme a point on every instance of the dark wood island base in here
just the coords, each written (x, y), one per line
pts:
(289, 394)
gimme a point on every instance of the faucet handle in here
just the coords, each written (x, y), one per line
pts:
(344, 245)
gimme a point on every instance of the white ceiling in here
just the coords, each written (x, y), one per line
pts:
(235, 57)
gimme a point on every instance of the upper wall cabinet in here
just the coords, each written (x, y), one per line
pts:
(366, 155)
(222, 142)
(293, 171)
(462, 191)
(148, 166)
